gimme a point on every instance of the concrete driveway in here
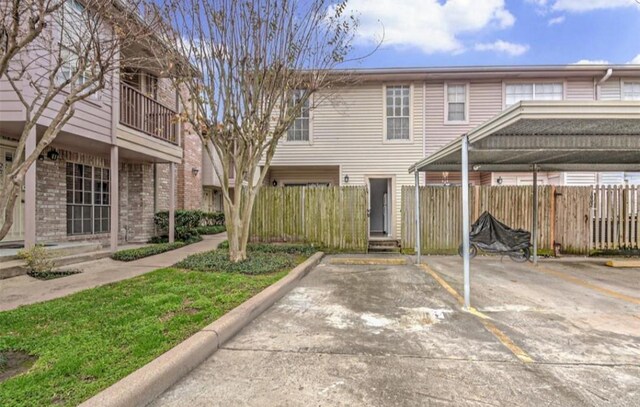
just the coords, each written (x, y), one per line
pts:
(386, 335)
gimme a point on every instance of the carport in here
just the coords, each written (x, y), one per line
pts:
(538, 136)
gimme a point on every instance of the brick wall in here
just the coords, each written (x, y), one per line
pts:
(190, 185)
(51, 197)
(136, 194)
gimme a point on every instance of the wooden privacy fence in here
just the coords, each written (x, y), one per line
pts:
(614, 217)
(333, 217)
(578, 220)
(441, 220)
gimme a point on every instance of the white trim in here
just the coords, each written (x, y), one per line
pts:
(467, 88)
(622, 83)
(384, 113)
(563, 82)
(286, 140)
(8, 143)
(391, 191)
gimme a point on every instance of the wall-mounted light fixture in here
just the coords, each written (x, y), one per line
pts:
(274, 183)
(346, 179)
(499, 180)
(476, 167)
(53, 155)
(195, 171)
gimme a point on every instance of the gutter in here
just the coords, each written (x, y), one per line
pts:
(602, 80)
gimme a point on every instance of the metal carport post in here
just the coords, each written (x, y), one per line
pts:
(540, 136)
(465, 219)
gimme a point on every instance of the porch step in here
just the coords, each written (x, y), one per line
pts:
(384, 246)
(12, 268)
(16, 268)
(56, 250)
(80, 258)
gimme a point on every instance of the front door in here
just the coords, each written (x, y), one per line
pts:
(379, 207)
(7, 155)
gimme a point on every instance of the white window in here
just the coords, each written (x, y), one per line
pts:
(299, 130)
(515, 92)
(75, 26)
(456, 103)
(398, 112)
(631, 91)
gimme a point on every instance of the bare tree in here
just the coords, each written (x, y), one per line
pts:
(54, 54)
(252, 67)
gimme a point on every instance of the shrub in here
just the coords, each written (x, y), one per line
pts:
(210, 229)
(40, 265)
(37, 259)
(165, 239)
(146, 251)
(186, 223)
(256, 263)
(212, 219)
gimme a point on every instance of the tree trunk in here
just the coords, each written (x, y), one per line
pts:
(237, 250)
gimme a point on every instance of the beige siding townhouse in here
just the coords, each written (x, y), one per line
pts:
(372, 132)
(109, 170)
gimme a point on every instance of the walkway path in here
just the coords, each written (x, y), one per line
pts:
(23, 290)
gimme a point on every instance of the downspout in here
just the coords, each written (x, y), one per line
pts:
(606, 77)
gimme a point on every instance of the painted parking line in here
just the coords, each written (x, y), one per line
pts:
(586, 284)
(484, 319)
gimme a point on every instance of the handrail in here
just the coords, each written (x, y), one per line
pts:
(147, 115)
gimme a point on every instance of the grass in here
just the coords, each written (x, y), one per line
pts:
(89, 340)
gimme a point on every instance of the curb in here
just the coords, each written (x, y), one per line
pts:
(145, 384)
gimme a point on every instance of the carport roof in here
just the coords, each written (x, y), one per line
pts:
(555, 135)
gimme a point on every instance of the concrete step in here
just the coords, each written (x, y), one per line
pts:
(383, 249)
(15, 268)
(12, 268)
(56, 250)
(80, 258)
(386, 242)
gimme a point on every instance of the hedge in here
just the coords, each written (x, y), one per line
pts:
(187, 222)
(146, 251)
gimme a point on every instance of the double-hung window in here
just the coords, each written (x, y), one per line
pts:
(515, 92)
(456, 103)
(75, 26)
(299, 130)
(398, 112)
(88, 199)
(631, 91)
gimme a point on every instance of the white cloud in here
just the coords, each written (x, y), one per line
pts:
(635, 60)
(577, 6)
(509, 48)
(556, 20)
(592, 62)
(429, 25)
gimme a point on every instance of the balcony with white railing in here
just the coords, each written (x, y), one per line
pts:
(147, 115)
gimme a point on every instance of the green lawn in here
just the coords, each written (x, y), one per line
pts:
(88, 341)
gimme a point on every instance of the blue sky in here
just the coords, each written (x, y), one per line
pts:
(497, 32)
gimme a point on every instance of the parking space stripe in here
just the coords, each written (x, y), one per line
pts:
(586, 284)
(484, 319)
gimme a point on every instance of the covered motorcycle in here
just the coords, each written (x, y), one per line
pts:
(491, 235)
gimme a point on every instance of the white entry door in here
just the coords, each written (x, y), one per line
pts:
(7, 155)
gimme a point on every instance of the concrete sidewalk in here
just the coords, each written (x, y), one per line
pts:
(24, 290)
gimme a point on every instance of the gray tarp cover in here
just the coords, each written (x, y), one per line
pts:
(490, 234)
